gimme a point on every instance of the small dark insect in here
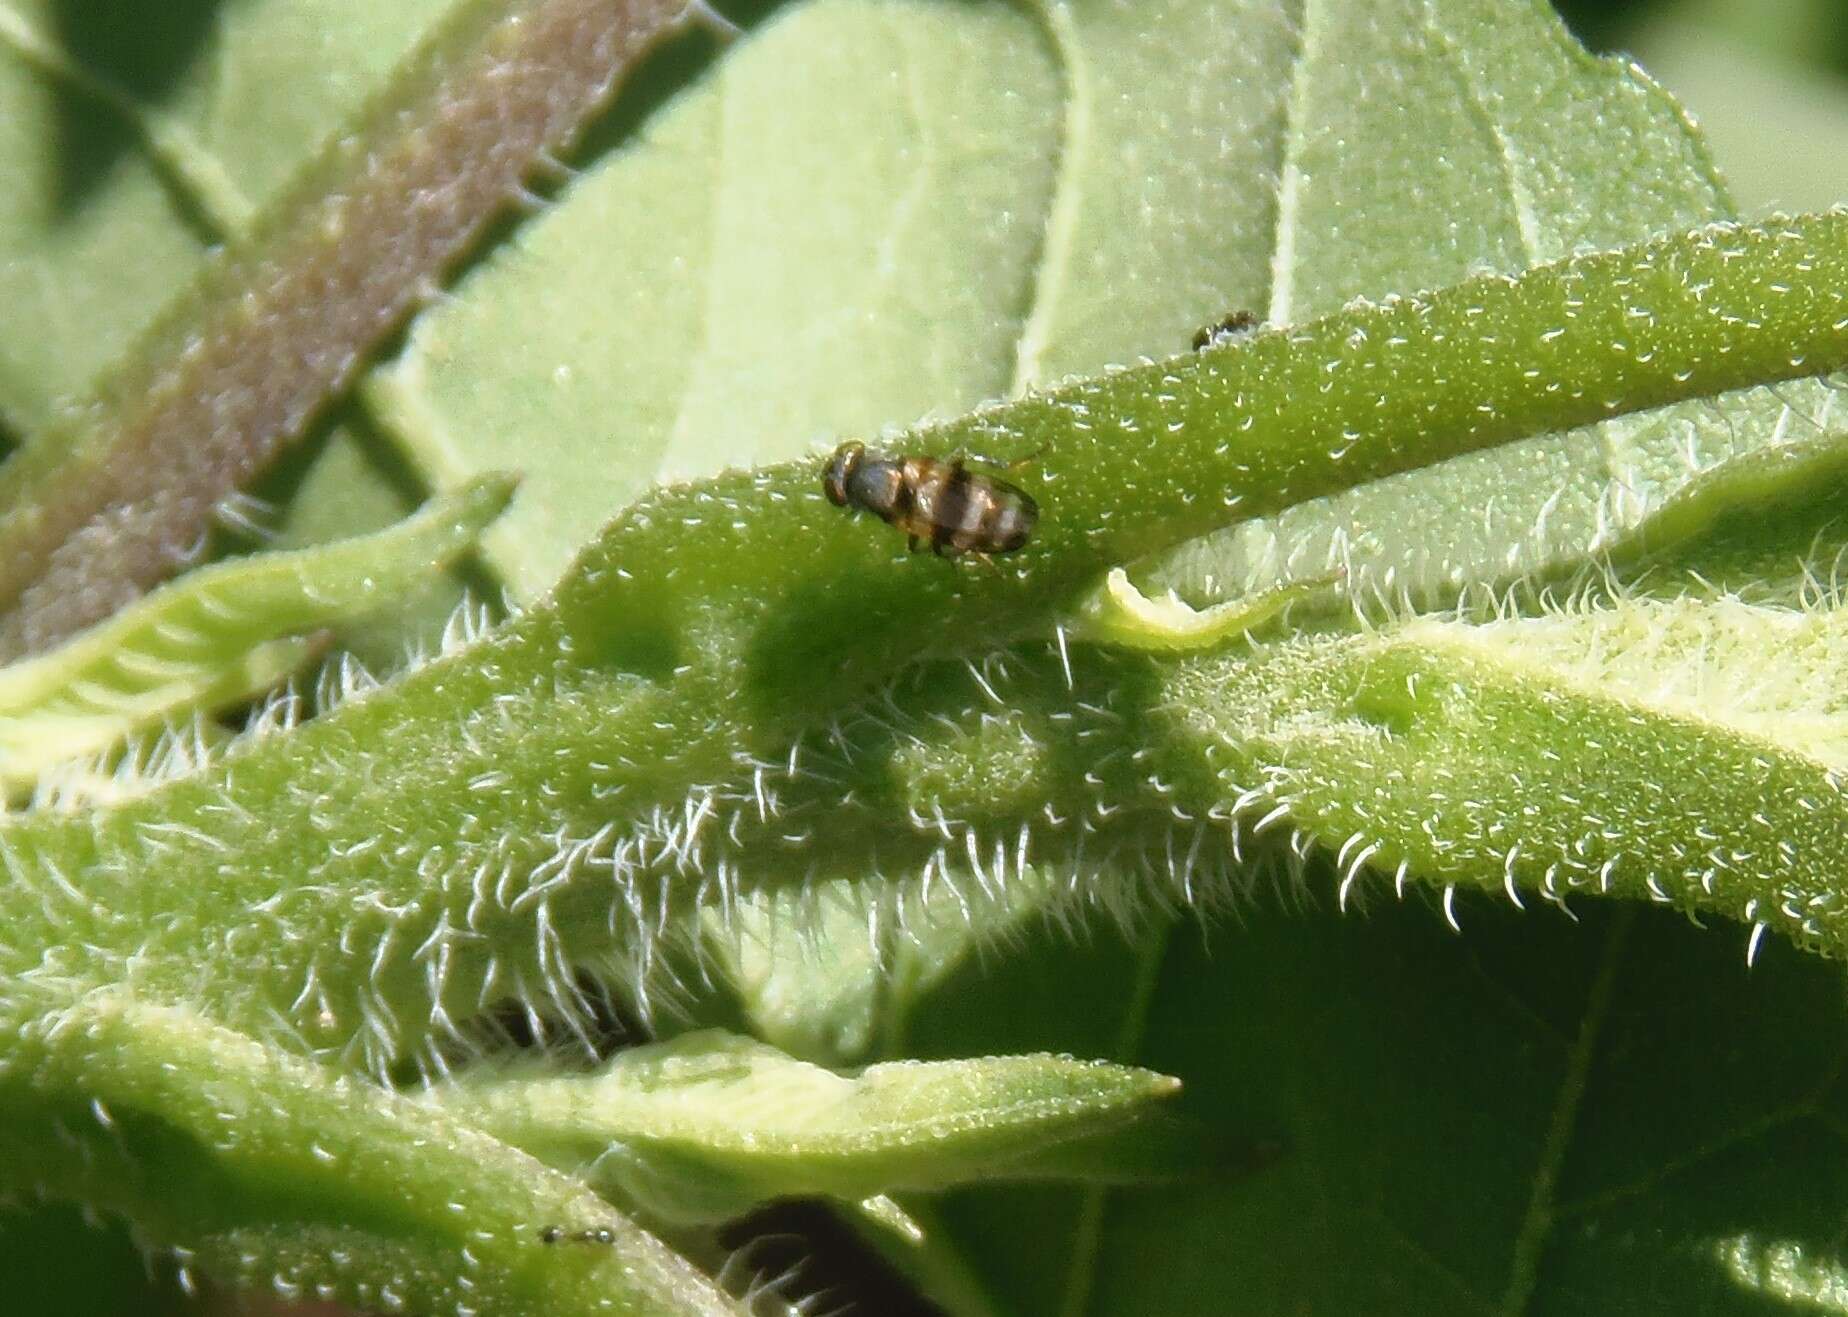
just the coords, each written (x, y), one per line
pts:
(596, 1235)
(942, 504)
(1239, 322)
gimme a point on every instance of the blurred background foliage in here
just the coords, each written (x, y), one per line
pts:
(1766, 79)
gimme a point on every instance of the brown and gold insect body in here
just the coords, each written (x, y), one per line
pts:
(943, 504)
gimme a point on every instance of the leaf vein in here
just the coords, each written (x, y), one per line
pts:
(1808, 1107)
(1289, 172)
(1537, 1225)
(1520, 195)
(1047, 281)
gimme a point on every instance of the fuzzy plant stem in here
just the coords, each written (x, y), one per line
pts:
(817, 607)
(552, 795)
(115, 496)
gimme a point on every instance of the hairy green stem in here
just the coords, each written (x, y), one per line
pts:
(1144, 458)
(111, 499)
(658, 735)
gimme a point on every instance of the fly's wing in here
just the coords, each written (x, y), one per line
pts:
(929, 480)
(1017, 522)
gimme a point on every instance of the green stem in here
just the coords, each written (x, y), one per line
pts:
(1138, 460)
(558, 794)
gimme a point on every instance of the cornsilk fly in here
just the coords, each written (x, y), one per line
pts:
(943, 504)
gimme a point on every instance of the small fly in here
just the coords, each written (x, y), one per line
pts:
(1236, 325)
(943, 504)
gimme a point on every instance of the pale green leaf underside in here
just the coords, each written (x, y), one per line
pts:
(1518, 149)
(796, 300)
(823, 972)
(868, 213)
(104, 218)
(777, 263)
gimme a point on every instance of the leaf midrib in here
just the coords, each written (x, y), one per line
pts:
(1536, 1226)
(1046, 280)
(1289, 172)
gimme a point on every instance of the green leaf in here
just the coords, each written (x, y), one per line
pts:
(1542, 1115)
(218, 636)
(1496, 111)
(790, 300)
(777, 265)
(711, 1124)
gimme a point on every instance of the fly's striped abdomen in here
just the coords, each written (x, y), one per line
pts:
(943, 504)
(961, 511)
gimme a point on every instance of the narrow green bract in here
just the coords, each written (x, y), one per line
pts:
(219, 635)
(710, 1125)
